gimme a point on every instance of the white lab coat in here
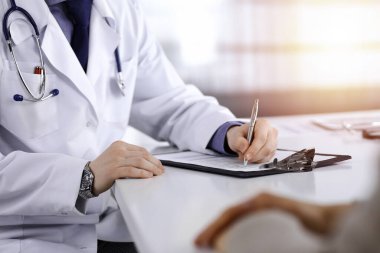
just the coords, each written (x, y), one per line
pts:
(44, 146)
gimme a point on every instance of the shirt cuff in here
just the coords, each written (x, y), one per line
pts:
(218, 142)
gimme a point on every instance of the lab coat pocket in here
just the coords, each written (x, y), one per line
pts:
(117, 111)
(26, 119)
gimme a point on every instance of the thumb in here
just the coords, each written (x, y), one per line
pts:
(239, 144)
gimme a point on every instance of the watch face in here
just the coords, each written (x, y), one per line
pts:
(86, 180)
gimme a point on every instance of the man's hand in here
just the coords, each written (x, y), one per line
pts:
(316, 218)
(264, 142)
(123, 160)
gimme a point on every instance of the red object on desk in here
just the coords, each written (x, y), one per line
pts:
(373, 133)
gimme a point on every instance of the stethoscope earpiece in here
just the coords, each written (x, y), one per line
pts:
(20, 98)
(54, 92)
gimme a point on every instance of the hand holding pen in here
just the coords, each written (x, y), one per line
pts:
(255, 142)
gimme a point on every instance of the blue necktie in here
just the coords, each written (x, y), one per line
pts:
(80, 13)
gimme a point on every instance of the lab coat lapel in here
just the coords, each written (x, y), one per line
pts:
(103, 41)
(60, 54)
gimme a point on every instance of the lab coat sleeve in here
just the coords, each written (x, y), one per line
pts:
(39, 184)
(164, 107)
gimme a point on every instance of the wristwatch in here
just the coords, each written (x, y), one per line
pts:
(86, 185)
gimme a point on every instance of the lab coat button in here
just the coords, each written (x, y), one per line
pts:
(89, 124)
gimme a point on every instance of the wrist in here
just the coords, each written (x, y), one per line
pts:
(219, 141)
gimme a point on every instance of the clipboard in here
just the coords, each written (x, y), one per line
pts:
(298, 161)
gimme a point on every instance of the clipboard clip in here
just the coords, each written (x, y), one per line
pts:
(300, 161)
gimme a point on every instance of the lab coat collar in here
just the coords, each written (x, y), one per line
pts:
(63, 59)
(61, 56)
(103, 40)
(105, 11)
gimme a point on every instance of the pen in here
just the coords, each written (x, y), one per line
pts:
(255, 110)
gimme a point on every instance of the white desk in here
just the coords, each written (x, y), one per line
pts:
(165, 213)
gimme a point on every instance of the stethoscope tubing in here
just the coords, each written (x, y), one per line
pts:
(15, 8)
(120, 81)
(42, 89)
(8, 38)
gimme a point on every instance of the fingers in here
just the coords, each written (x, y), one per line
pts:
(269, 148)
(237, 140)
(136, 162)
(132, 172)
(210, 235)
(144, 160)
(313, 217)
(144, 163)
(264, 143)
(240, 146)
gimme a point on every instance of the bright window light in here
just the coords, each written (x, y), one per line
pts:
(245, 45)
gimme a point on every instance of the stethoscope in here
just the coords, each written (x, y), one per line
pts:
(41, 96)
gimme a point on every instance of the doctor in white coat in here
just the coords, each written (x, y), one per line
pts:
(46, 145)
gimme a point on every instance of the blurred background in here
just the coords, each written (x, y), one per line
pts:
(296, 56)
